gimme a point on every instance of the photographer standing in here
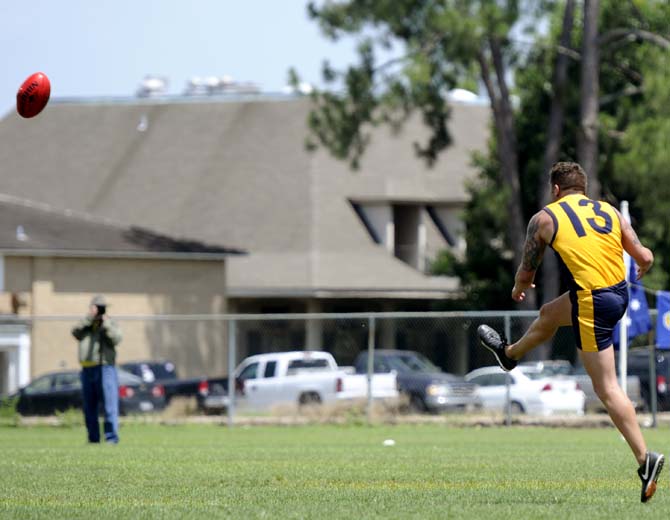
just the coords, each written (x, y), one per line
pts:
(98, 336)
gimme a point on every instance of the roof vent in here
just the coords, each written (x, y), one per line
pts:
(143, 125)
(302, 88)
(216, 85)
(21, 235)
(152, 86)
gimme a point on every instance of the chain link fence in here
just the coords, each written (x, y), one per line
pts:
(209, 348)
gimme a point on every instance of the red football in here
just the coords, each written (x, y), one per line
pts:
(33, 95)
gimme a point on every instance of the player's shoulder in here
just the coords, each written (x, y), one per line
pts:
(603, 204)
(622, 221)
(610, 205)
(543, 217)
(542, 224)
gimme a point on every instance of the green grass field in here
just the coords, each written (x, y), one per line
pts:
(209, 471)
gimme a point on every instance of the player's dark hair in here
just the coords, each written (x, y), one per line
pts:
(568, 175)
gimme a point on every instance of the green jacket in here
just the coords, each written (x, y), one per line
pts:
(97, 341)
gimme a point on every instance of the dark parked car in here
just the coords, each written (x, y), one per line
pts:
(151, 371)
(165, 373)
(638, 365)
(59, 391)
(427, 387)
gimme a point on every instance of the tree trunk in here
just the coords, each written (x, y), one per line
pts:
(550, 272)
(587, 140)
(507, 153)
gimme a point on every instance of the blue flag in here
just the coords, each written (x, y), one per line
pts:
(638, 318)
(663, 320)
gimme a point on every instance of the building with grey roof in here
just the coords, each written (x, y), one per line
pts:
(320, 237)
(38, 229)
(53, 261)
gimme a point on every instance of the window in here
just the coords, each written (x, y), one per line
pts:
(302, 365)
(399, 227)
(407, 233)
(440, 225)
(165, 370)
(365, 219)
(67, 382)
(413, 362)
(43, 384)
(499, 379)
(482, 380)
(249, 372)
(270, 369)
(534, 374)
(380, 366)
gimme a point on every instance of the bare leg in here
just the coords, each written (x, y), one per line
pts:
(600, 366)
(556, 313)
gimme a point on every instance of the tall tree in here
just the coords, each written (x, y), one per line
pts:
(550, 279)
(640, 166)
(622, 73)
(458, 42)
(587, 143)
(448, 43)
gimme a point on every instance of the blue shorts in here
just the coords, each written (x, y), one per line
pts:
(595, 313)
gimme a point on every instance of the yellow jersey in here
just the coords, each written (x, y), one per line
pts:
(587, 239)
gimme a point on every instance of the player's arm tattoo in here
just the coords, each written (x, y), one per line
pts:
(636, 240)
(533, 249)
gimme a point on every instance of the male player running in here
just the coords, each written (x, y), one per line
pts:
(589, 238)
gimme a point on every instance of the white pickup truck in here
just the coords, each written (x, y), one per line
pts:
(300, 377)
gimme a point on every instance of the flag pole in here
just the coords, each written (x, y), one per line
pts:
(623, 324)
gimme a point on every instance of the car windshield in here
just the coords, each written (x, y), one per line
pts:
(163, 370)
(557, 370)
(126, 378)
(414, 362)
(297, 366)
(43, 384)
(534, 374)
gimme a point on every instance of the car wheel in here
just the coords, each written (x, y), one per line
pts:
(309, 398)
(416, 404)
(516, 408)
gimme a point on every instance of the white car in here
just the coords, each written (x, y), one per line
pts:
(530, 391)
(297, 377)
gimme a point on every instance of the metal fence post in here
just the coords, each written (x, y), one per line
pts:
(372, 325)
(232, 347)
(652, 384)
(508, 397)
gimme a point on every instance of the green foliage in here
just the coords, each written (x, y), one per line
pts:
(442, 42)
(486, 272)
(445, 264)
(641, 167)
(8, 414)
(70, 418)
(635, 122)
(632, 167)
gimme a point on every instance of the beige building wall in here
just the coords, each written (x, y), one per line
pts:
(47, 287)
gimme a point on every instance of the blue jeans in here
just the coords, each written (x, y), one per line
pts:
(100, 388)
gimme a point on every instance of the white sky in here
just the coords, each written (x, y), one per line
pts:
(94, 48)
